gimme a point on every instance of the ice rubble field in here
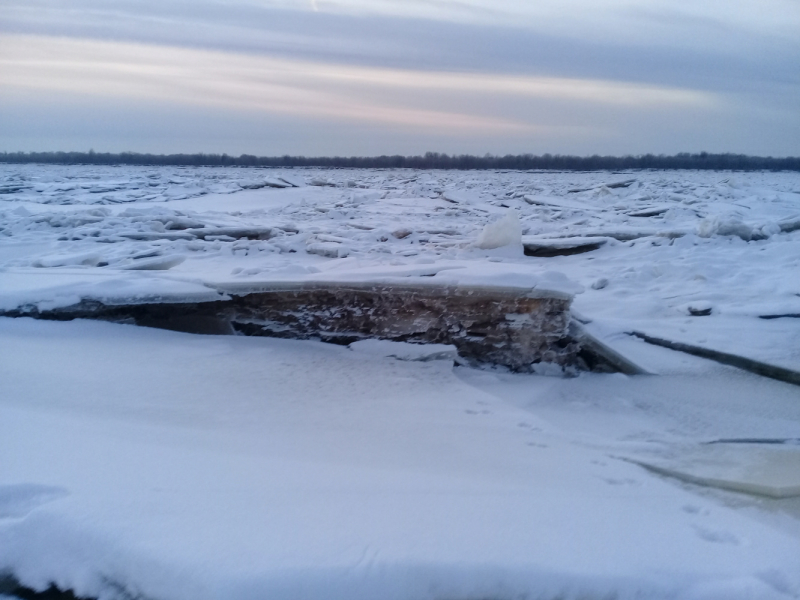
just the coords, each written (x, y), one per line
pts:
(140, 463)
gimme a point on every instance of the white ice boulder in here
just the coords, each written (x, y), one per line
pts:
(731, 225)
(365, 196)
(328, 249)
(507, 231)
(461, 197)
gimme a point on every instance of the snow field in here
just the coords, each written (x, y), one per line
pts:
(174, 466)
(145, 463)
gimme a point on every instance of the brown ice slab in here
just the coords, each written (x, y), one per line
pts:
(491, 324)
(511, 326)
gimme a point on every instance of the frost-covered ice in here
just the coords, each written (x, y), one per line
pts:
(405, 351)
(178, 467)
(138, 461)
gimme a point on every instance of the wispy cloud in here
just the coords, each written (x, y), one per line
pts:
(700, 45)
(597, 18)
(448, 102)
(466, 75)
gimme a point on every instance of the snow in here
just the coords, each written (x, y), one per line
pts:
(323, 467)
(405, 351)
(506, 231)
(769, 470)
(141, 462)
(65, 287)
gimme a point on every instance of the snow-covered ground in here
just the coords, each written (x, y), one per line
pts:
(167, 465)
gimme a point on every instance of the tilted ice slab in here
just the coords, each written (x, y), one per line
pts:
(44, 290)
(495, 315)
(478, 275)
(48, 289)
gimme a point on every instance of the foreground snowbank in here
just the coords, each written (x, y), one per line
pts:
(179, 466)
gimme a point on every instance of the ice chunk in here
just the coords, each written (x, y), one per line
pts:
(328, 249)
(699, 308)
(729, 225)
(89, 259)
(160, 263)
(548, 247)
(764, 470)
(276, 182)
(460, 197)
(770, 229)
(366, 196)
(292, 181)
(505, 232)
(405, 351)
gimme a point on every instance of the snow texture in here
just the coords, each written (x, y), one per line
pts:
(142, 463)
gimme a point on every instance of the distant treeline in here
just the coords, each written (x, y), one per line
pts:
(431, 160)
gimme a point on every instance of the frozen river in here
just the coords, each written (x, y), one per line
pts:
(144, 463)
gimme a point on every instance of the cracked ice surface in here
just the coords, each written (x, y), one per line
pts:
(170, 465)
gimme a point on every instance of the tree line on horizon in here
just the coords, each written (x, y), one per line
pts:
(430, 160)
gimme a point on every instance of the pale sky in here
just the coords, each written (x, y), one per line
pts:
(369, 77)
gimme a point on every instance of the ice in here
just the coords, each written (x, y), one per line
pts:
(733, 226)
(328, 249)
(161, 263)
(506, 231)
(19, 500)
(405, 351)
(89, 259)
(544, 246)
(766, 470)
(47, 291)
(148, 463)
(257, 467)
(655, 264)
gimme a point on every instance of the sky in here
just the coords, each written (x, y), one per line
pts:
(372, 77)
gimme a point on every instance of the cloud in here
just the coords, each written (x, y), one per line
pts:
(579, 16)
(700, 44)
(204, 78)
(572, 75)
(443, 101)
